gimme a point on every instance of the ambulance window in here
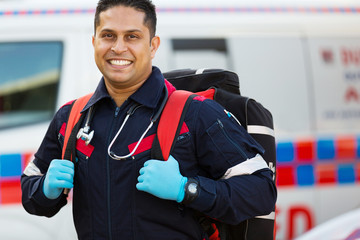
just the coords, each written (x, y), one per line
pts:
(29, 79)
(200, 53)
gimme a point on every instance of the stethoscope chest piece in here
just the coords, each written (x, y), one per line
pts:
(84, 135)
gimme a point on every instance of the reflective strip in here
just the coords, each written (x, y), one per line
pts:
(32, 170)
(269, 9)
(257, 129)
(245, 168)
(244, 9)
(271, 216)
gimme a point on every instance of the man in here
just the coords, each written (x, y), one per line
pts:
(120, 193)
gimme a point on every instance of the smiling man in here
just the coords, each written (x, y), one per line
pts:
(123, 52)
(120, 193)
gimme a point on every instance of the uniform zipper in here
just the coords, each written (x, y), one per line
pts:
(117, 110)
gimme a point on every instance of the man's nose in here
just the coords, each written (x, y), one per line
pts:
(119, 46)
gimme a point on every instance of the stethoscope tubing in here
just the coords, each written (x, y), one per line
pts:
(116, 157)
(83, 132)
(153, 119)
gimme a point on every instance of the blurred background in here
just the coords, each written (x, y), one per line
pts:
(300, 59)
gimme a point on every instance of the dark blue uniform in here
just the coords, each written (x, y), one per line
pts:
(235, 183)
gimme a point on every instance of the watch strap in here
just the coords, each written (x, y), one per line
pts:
(191, 191)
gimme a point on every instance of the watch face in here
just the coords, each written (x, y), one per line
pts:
(192, 188)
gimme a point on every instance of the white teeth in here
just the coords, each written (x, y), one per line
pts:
(120, 62)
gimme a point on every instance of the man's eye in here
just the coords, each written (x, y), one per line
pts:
(132, 36)
(108, 35)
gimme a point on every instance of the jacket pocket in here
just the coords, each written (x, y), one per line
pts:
(225, 143)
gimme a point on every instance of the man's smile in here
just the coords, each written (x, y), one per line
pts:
(120, 62)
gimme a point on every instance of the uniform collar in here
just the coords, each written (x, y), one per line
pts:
(148, 94)
(151, 91)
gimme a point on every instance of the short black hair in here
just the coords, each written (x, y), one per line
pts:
(145, 6)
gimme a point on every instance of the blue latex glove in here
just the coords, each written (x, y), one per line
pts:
(162, 179)
(60, 175)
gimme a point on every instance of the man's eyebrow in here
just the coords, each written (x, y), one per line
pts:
(127, 31)
(107, 30)
(133, 30)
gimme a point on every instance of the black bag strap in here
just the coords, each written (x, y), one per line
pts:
(73, 119)
(70, 148)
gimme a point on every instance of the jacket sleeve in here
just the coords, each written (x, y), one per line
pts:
(238, 184)
(32, 179)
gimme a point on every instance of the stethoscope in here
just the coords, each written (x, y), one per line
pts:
(86, 136)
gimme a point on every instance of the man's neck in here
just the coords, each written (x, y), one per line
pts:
(121, 94)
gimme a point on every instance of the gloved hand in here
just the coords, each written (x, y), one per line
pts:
(60, 175)
(162, 179)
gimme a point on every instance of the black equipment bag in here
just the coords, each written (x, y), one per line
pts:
(255, 118)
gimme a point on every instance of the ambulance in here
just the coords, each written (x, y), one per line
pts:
(299, 58)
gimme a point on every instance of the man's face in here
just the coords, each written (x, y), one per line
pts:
(123, 49)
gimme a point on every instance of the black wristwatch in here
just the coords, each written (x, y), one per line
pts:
(191, 191)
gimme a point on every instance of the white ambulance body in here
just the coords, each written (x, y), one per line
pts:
(300, 59)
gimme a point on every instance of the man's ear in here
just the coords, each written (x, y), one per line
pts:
(155, 43)
(93, 41)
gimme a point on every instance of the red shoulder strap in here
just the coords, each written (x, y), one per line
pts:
(172, 116)
(74, 117)
(170, 120)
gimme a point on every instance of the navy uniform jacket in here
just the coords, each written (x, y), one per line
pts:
(235, 182)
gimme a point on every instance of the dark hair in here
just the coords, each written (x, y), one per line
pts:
(145, 6)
